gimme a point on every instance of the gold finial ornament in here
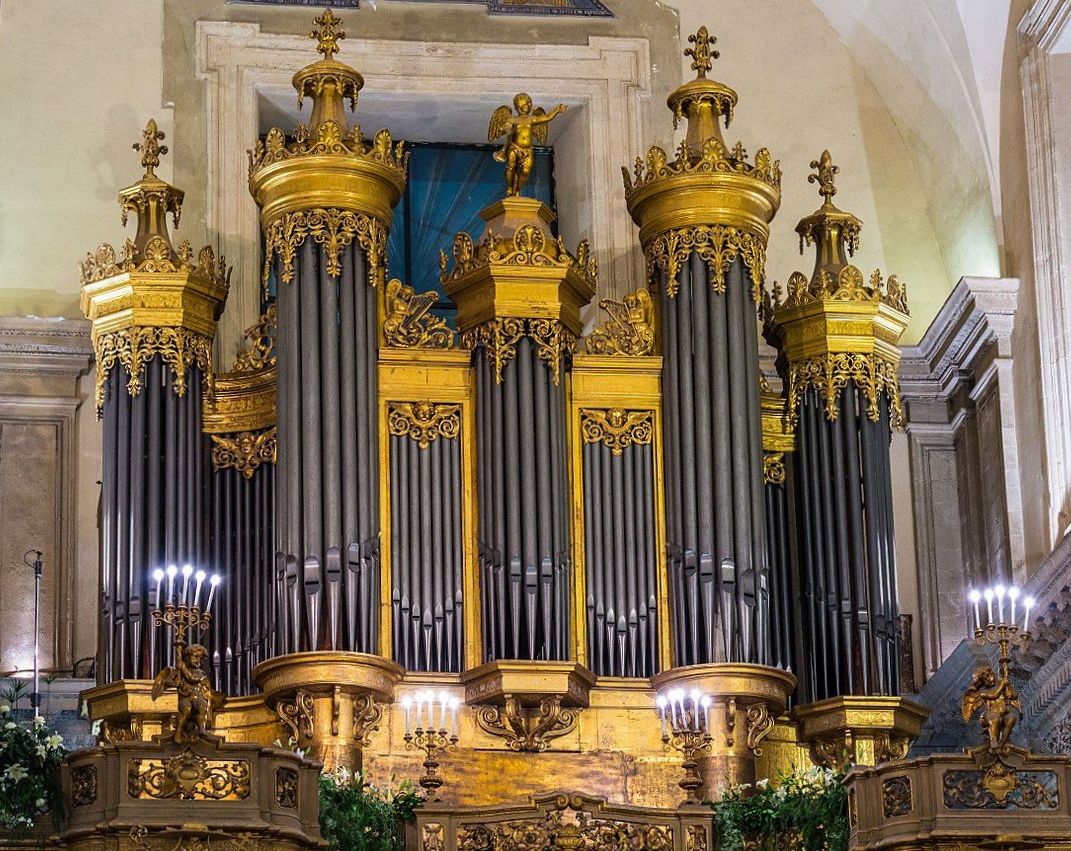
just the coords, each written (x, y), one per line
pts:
(824, 176)
(328, 34)
(701, 53)
(522, 131)
(150, 147)
(151, 199)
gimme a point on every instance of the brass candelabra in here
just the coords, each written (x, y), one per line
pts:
(434, 741)
(992, 692)
(685, 720)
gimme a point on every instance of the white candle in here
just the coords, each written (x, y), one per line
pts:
(213, 583)
(200, 577)
(999, 591)
(455, 702)
(976, 598)
(989, 605)
(1013, 595)
(187, 572)
(1028, 604)
(158, 575)
(419, 709)
(693, 721)
(406, 703)
(661, 702)
(706, 712)
(171, 572)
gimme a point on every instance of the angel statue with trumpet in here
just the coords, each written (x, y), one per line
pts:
(522, 131)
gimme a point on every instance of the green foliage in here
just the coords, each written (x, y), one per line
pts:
(30, 755)
(807, 811)
(358, 816)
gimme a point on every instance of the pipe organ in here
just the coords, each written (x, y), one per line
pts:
(544, 520)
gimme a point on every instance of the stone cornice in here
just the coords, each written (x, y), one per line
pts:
(31, 345)
(978, 313)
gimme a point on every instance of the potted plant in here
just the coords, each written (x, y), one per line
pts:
(30, 799)
(804, 811)
(357, 816)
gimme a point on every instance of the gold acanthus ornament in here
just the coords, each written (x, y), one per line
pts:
(329, 139)
(616, 428)
(629, 329)
(424, 422)
(244, 452)
(498, 339)
(713, 158)
(773, 468)
(261, 335)
(408, 323)
(849, 286)
(830, 373)
(528, 246)
(333, 229)
(717, 245)
(522, 131)
(179, 348)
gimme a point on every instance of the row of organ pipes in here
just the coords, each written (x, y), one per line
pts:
(739, 523)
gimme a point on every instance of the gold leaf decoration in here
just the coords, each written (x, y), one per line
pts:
(408, 324)
(773, 468)
(713, 159)
(718, 245)
(424, 422)
(616, 428)
(188, 776)
(244, 452)
(630, 328)
(829, 373)
(179, 348)
(333, 229)
(498, 339)
(261, 336)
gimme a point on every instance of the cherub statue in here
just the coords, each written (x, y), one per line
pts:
(999, 702)
(522, 132)
(196, 700)
(630, 328)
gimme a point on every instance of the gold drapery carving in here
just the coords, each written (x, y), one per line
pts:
(424, 422)
(179, 348)
(718, 245)
(499, 338)
(408, 324)
(630, 328)
(333, 229)
(829, 373)
(616, 428)
(245, 452)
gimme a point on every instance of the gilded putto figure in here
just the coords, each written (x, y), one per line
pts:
(522, 131)
(196, 700)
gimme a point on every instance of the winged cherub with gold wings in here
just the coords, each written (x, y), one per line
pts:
(522, 132)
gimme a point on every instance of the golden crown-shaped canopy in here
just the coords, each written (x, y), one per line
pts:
(327, 162)
(706, 183)
(150, 198)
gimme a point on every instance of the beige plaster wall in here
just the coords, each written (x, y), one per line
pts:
(77, 82)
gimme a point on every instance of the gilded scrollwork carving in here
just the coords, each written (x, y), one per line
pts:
(83, 785)
(424, 422)
(296, 715)
(557, 831)
(713, 159)
(498, 339)
(553, 342)
(408, 324)
(717, 245)
(528, 729)
(773, 468)
(286, 787)
(528, 246)
(616, 428)
(331, 228)
(244, 452)
(896, 796)
(831, 372)
(261, 336)
(187, 776)
(367, 714)
(179, 348)
(329, 139)
(759, 725)
(629, 329)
